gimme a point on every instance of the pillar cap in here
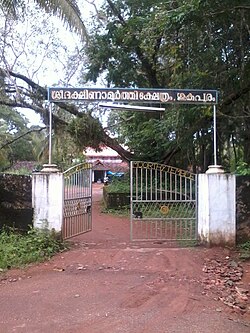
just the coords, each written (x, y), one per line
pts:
(50, 168)
(215, 169)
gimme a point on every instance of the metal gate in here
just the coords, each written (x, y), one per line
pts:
(163, 203)
(77, 212)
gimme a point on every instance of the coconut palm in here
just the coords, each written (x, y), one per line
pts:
(67, 10)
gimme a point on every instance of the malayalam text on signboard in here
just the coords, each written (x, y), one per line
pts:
(185, 96)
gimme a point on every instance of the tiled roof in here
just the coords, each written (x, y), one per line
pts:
(105, 152)
(115, 167)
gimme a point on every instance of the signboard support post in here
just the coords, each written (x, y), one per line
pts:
(215, 168)
(50, 133)
(50, 168)
(215, 135)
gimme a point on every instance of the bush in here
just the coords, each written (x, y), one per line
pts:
(22, 171)
(245, 250)
(116, 196)
(17, 250)
(243, 169)
(119, 186)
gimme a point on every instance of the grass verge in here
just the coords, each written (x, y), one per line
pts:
(120, 211)
(18, 250)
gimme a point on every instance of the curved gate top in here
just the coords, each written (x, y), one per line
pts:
(163, 203)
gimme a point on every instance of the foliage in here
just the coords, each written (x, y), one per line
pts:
(86, 131)
(119, 185)
(18, 142)
(160, 44)
(17, 250)
(13, 125)
(243, 169)
(119, 211)
(33, 43)
(180, 44)
(245, 250)
(21, 171)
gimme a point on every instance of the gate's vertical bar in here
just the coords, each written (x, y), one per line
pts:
(165, 186)
(63, 208)
(171, 186)
(215, 135)
(156, 180)
(72, 182)
(185, 189)
(131, 200)
(141, 180)
(175, 186)
(136, 181)
(50, 133)
(141, 198)
(151, 184)
(191, 194)
(161, 185)
(180, 177)
(196, 185)
(90, 190)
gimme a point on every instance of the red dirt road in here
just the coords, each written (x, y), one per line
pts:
(107, 284)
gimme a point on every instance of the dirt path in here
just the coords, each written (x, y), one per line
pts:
(106, 284)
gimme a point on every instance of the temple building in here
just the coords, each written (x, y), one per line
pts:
(105, 162)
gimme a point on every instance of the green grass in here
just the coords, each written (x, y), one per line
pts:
(18, 250)
(187, 243)
(244, 249)
(119, 211)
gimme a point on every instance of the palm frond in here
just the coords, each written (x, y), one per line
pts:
(68, 11)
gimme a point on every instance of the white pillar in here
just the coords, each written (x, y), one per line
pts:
(217, 209)
(47, 200)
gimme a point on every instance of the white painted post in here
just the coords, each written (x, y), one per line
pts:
(217, 209)
(47, 200)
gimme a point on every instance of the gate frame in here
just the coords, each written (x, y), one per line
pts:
(140, 95)
(77, 203)
(169, 171)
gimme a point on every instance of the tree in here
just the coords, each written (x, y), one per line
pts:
(35, 95)
(174, 44)
(178, 44)
(15, 138)
(25, 45)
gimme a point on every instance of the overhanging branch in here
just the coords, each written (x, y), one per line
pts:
(235, 95)
(71, 108)
(22, 135)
